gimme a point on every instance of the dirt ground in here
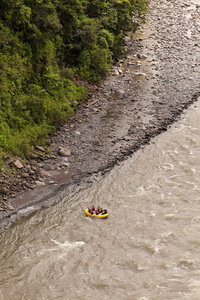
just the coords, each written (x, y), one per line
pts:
(146, 92)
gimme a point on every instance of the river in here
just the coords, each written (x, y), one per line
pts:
(147, 248)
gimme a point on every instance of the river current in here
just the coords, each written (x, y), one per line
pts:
(147, 249)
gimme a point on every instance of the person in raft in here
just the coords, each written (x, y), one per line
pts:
(98, 211)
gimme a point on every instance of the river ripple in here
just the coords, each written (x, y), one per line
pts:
(148, 248)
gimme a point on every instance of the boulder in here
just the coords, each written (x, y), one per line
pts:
(18, 164)
(4, 190)
(64, 151)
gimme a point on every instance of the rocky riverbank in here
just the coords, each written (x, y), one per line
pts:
(146, 92)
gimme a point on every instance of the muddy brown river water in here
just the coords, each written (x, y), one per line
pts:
(148, 248)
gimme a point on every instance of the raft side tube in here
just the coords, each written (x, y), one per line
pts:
(93, 215)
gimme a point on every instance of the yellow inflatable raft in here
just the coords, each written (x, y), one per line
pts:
(93, 215)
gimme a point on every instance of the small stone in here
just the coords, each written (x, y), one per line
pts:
(31, 172)
(33, 168)
(65, 164)
(78, 132)
(51, 182)
(121, 91)
(115, 73)
(18, 164)
(25, 175)
(39, 148)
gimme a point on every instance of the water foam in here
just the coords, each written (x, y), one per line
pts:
(67, 244)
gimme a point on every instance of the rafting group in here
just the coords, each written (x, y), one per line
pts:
(99, 212)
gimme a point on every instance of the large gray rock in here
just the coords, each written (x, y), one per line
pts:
(64, 151)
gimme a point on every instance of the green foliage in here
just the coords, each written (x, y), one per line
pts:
(109, 36)
(44, 45)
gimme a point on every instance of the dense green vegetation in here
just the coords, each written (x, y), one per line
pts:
(44, 46)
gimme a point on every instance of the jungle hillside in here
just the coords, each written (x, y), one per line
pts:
(49, 50)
